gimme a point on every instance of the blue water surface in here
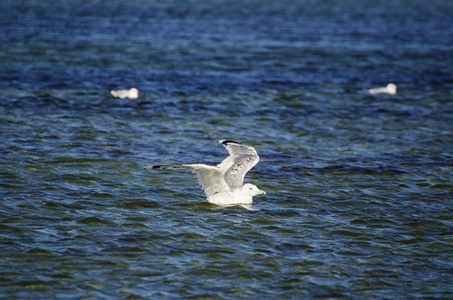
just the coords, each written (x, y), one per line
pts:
(359, 186)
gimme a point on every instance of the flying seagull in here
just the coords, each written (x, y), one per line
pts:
(223, 184)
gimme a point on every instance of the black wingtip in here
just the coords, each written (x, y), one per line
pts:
(151, 167)
(226, 142)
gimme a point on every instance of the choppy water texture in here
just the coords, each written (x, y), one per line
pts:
(359, 187)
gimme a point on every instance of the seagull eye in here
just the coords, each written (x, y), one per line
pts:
(251, 189)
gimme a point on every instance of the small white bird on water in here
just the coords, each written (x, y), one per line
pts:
(223, 184)
(390, 89)
(131, 94)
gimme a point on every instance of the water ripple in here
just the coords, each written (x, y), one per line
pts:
(358, 186)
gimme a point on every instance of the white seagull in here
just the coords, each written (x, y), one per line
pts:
(390, 89)
(223, 184)
(131, 94)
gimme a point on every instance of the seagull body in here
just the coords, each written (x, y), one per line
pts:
(223, 184)
(390, 89)
(131, 94)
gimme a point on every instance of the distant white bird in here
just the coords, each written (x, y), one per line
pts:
(223, 184)
(131, 94)
(390, 89)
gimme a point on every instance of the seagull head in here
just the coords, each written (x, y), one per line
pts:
(252, 190)
(391, 88)
(134, 93)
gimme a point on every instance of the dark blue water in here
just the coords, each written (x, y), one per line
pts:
(359, 187)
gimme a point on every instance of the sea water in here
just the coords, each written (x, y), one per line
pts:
(359, 186)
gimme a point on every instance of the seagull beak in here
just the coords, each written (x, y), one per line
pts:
(263, 192)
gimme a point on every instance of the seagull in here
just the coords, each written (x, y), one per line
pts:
(131, 94)
(389, 89)
(223, 184)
